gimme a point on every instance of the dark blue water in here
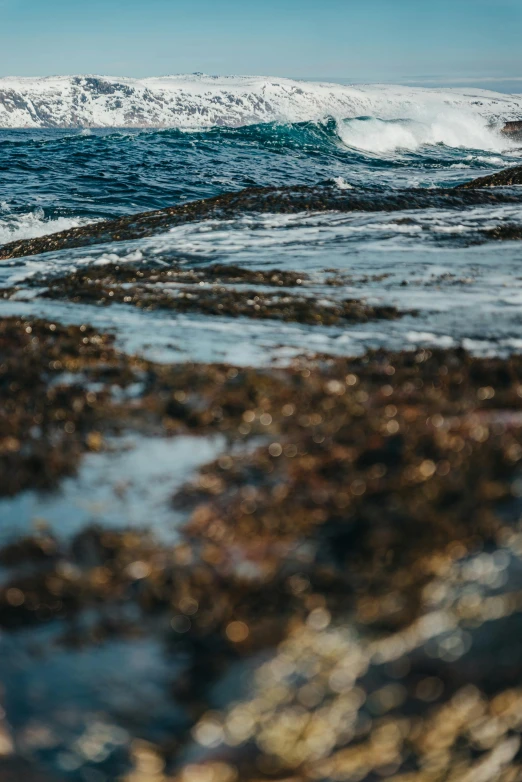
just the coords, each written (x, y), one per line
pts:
(104, 173)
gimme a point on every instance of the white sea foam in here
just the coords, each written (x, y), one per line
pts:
(14, 227)
(202, 101)
(427, 125)
(470, 296)
(342, 184)
(301, 240)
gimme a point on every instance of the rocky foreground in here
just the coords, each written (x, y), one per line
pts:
(349, 534)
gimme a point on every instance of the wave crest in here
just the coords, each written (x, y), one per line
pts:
(29, 225)
(451, 128)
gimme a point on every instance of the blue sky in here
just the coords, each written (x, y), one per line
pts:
(432, 41)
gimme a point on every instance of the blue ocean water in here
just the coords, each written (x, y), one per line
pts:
(105, 173)
(74, 713)
(426, 260)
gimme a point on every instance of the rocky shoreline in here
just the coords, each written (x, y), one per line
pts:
(179, 290)
(290, 200)
(343, 599)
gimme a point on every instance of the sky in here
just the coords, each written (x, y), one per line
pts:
(475, 42)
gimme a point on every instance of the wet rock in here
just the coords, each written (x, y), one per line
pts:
(506, 178)
(222, 302)
(375, 462)
(200, 291)
(16, 770)
(346, 527)
(217, 273)
(509, 232)
(40, 548)
(513, 130)
(48, 415)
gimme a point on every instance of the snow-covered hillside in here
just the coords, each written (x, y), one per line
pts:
(197, 101)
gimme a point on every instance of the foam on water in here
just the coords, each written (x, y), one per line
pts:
(28, 225)
(419, 261)
(452, 128)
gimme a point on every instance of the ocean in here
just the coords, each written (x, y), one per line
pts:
(55, 178)
(299, 226)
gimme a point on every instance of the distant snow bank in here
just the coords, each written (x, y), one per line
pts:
(198, 101)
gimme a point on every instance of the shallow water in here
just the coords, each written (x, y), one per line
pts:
(131, 483)
(462, 293)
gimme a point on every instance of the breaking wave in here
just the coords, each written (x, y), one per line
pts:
(28, 225)
(401, 139)
(451, 129)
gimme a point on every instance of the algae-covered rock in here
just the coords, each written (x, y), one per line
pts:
(506, 178)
